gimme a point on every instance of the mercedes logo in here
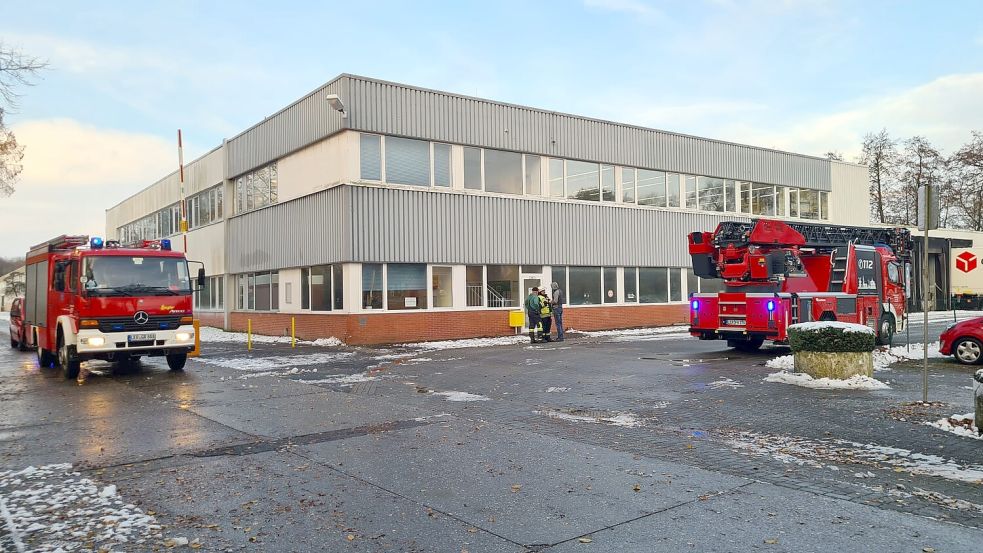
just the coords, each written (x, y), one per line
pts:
(141, 318)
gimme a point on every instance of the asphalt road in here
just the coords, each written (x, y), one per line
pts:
(605, 443)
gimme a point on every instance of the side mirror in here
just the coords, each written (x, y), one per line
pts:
(201, 277)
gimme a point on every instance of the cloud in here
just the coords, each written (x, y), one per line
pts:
(944, 111)
(72, 173)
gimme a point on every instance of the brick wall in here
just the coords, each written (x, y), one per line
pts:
(387, 328)
(211, 319)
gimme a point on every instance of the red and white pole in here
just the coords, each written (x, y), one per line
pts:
(184, 209)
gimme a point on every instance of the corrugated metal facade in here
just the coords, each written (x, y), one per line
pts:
(311, 230)
(375, 224)
(304, 122)
(390, 108)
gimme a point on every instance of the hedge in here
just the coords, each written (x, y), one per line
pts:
(830, 336)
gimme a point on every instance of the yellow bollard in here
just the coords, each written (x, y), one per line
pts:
(249, 334)
(293, 332)
(197, 351)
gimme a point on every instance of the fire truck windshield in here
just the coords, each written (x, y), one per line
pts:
(135, 276)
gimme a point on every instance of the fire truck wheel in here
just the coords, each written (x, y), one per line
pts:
(885, 331)
(45, 358)
(67, 359)
(176, 361)
(968, 351)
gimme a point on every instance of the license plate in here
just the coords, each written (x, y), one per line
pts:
(733, 322)
(141, 337)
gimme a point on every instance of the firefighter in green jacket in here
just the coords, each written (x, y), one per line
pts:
(533, 309)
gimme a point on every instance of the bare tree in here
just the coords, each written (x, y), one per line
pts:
(880, 155)
(921, 164)
(14, 285)
(967, 182)
(16, 69)
(833, 155)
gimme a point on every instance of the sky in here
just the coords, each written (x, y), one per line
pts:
(807, 76)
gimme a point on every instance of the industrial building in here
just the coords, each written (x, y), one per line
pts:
(378, 212)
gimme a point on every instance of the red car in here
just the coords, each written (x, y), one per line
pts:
(18, 333)
(964, 340)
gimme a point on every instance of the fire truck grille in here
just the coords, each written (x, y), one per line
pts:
(127, 324)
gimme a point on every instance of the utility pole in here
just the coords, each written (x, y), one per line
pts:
(184, 208)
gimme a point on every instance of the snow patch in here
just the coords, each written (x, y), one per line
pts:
(724, 383)
(272, 363)
(845, 327)
(629, 420)
(856, 382)
(782, 362)
(469, 343)
(960, 425)
(53, 508)
(216, 335)
(638, 334)
(552, 389)
(342, 379)
(460, 396)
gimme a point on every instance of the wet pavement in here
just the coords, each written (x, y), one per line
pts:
(620, 442)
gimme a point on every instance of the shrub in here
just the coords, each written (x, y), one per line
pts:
(830, 336)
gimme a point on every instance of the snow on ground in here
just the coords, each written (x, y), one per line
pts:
(460, 396)
(53, 508)
(857, 382)
(883, 358)
(469, 343)
(960, 425)
(273, 363)
(845, 327)
(830, 452)
(343, 379)
(782, 362)
(724, 383)
(637, 334)
(212, 334)
(629, 420)
(552, 389)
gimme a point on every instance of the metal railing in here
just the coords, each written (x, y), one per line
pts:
(476, 296)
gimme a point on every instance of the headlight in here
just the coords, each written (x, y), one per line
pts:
(183, 336)
(94, 341)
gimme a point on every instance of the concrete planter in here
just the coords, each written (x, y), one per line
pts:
(839, 365)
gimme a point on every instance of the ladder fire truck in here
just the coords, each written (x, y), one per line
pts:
(86, 299)
(780, 273)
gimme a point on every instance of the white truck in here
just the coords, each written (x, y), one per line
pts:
(966, 278)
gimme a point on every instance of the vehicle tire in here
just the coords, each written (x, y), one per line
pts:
(885, 330)
(13, 342)
(45, 359)
(22, 342)
(827, 316)
(749, 346)
(176, 361)
(968, 351)
(67, 359)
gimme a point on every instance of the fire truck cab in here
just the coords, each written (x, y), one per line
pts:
(778, 273)
(86, 299)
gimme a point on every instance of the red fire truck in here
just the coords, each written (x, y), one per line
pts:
(86, 299)
(779, 273)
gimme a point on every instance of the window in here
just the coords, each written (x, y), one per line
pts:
(762, 199)
(406, 286)
(675, 284)
(610, 275)
(585, 285)
(442, 165)
(628, 185)
(690, 192)
(319, 285)
(305, 288)
(631, 285)
(651, 188)
(745, 192)
(653, 285)
(503, 286)
(672, 189)
(257, 291)
(808, 204)
(407, 161)
(158, 224)
(211, 295)
(730, 193)
(203, 208)
(256, 189)
(780, 193)
(556, 178)
(894, 272)
(442, 287)
(534, 175)
(371, 286)
(793, 203)
(582, 181)
(339, 287)
(607, 183)
(472, 168)
(560, 277)
(474, 276)
(370, 156)
(711, 194)
(692, 283)
(503, 172)
(824, 205)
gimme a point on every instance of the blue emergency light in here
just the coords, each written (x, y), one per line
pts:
(695, 304)
(95, 243)
(165, 244)
(771, 305)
